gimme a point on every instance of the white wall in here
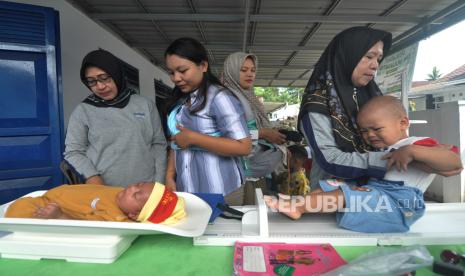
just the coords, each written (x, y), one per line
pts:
(79, 35)
(447, 125)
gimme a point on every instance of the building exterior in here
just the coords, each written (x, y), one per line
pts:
(431, 94)
(283, 111)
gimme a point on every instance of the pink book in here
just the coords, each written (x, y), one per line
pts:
(284, 259)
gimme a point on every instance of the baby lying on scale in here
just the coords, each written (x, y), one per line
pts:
(143, 202)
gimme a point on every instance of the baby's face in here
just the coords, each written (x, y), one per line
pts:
(296, 163)
(380, 130)
(133, 198)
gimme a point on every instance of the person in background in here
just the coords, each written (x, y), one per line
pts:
(294, 181)
(308, 162)
(208, 129)
(238, 76)
(114, 136)
(239, 73)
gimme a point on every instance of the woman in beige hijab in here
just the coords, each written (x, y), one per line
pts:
(238, 76)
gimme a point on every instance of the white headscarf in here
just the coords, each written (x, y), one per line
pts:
(231, 79)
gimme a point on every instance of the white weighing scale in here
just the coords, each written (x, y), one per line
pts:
(443, 223)
(89, 241)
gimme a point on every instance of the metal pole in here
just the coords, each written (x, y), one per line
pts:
(246, 25)
(404, 90)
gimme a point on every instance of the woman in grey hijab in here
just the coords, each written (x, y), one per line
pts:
(238, 76)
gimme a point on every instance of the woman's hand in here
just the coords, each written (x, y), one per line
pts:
(96, 180)
(184, 138)
(399, 158)
(272, 135)
(170, 176)
(218, 145)
(450, 173)
(170, 184)
(438, 159)
(428, 169)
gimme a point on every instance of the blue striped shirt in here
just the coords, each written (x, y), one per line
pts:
(203, 171)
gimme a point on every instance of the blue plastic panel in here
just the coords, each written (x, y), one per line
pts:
(25, 152)
(24, 89)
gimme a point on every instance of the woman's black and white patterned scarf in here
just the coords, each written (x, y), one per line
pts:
(330, 90)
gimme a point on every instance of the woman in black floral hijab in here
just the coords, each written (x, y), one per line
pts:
(341, 82)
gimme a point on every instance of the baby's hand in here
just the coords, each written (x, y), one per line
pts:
(51, 211)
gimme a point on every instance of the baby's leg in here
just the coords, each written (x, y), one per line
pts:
(283, 204)
(294, 207)
(25, 207)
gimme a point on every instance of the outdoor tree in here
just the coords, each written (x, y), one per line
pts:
(291, 95)
(434, 75)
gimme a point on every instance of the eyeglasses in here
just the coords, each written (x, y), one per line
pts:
(103, 78)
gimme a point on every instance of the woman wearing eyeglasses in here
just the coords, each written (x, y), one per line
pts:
(114, 136)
